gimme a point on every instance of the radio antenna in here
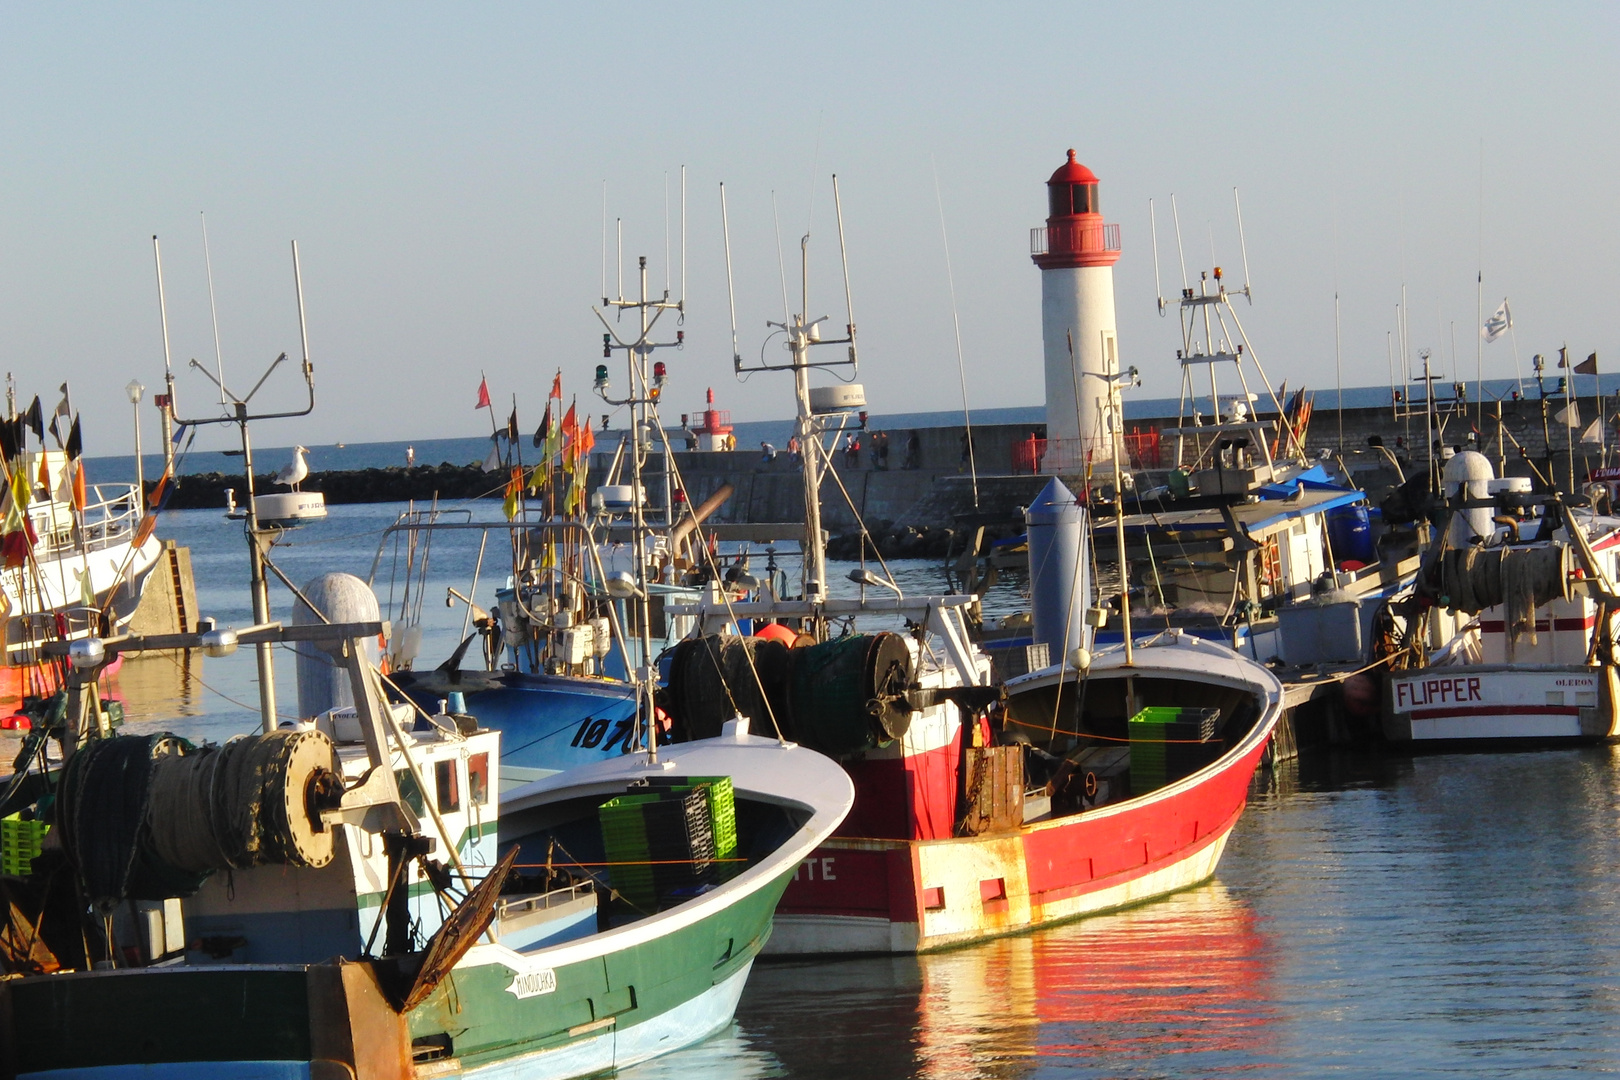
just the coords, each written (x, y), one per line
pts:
(208, 262)
(843, 254)
(604, 244)
(1244, 244)
(666, 234)
(683, 241)
(781, 267)
(1182, 255)
(731, 292)
(163, 311)
(1158, 289)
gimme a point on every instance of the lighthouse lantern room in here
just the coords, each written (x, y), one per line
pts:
(1076, 252)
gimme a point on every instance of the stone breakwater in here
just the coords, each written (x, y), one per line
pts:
(448, 482)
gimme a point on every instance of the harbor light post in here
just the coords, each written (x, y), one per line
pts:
(135, 390)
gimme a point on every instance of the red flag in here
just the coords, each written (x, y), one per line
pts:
(570, 426)
(556, 386)
(483, 394)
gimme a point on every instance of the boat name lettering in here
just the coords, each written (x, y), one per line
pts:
(809, 867)
(1575, 682)
(530, 984)
(1416, 692)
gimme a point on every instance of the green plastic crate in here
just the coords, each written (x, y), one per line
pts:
(624, 839)
(662, 843)
(20, 844)
(1166, 744)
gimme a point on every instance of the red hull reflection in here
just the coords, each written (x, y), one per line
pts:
(1181, 986)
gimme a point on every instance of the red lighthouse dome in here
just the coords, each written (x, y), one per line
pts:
(1075, 234)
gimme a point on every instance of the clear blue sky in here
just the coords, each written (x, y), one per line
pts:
(442, 168)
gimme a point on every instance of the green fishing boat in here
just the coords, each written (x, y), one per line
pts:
(347, 898)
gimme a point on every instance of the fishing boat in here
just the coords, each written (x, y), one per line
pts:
(77, 556)
(345, 897)
(572, 641)
(970, 820)
(352, 895)
(1532, 578)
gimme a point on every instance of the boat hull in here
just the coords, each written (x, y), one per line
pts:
(574, 1008)
(606, 1010)
(1501, 704)
(915, 896)
(548, 724)
(862, 895)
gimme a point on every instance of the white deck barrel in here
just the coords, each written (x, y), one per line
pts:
(323, 681)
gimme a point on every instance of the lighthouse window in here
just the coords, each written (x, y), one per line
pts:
(1068, 199)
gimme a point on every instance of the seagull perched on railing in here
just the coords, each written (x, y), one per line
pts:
(292, 474)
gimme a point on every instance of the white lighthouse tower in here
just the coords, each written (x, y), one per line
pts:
(1076, 252)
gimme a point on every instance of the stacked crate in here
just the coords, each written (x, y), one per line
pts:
(20, 843)
(662, 844)
(1169, 742)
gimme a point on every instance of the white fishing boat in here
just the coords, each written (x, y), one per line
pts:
(1532, 579)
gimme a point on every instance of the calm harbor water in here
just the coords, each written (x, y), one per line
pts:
(1454, 915)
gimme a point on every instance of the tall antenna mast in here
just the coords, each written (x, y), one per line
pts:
(843, 255)
(683, 240)
(956, 325)
(163, 312)
(1158, 289)
(604, 243)
(1242, 243)
(781, 267)
(731, 292)
(1180, 253)
(208, 262)
(168, 367)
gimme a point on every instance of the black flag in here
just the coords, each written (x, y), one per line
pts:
(511, 426)
(35, 418)
(75, 445)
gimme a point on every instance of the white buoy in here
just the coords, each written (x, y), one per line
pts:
(1059, 571)
(323, 680)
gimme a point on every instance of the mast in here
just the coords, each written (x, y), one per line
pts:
(646, 384)
(259, 539)
(810, 423)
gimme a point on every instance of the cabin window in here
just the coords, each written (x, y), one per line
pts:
(447, 787)
(478, 779)
(410, 790)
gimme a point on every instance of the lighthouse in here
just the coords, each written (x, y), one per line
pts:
(1076, 252)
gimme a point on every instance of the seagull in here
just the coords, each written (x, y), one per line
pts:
(292, 474)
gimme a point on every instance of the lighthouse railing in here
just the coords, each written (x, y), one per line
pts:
(1081, 236)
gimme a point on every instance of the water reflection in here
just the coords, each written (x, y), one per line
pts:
(1182, 987)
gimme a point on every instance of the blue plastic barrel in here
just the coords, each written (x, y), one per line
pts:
(1350, 533)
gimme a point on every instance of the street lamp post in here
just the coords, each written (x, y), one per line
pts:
(134, 389)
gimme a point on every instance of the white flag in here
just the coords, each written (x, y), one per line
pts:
(1570, 415)
(1593, 433)
(1498, 324)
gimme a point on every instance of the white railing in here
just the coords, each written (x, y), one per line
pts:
(110, 519)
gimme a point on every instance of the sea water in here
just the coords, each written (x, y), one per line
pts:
(1374, 915)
